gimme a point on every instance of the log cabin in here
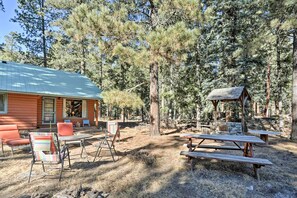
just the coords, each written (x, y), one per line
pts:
(35, 97)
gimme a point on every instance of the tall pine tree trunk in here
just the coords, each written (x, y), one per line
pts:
(268, 83)
(123, 114)
(43, 36)
(294, 95)
(83, 61)
(154, 100)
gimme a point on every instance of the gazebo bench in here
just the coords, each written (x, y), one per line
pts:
(257, 162)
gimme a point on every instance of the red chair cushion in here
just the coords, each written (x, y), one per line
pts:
(17, 142)
(65, 129)
(9, 132)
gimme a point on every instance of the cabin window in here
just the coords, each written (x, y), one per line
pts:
(3, 103)
(49, 110)
(75, 108)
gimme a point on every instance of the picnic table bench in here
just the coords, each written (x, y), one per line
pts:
(223, 147)
(257, 162)
(263, 134)
(248, 151)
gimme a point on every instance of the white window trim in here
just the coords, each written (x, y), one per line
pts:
(5, 103)
(82, 113)
(55, 111)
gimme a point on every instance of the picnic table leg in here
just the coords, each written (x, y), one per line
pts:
(256, 170)
(248, 150)
(264, 137)
(190, 146)
(192, 164)
(83, 149)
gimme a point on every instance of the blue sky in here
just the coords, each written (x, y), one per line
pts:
(5, 25)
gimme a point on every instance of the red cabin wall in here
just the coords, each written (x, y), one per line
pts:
(59, 113)
(22, 111)
(26, 111)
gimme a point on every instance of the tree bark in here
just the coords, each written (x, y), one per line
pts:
(142, 114)
(43, 36)
(268, 83)
(123, 114)
(83, 62)
(278, 70)
(255, 109)
(198, 115)
(294, 95)
(154, 101)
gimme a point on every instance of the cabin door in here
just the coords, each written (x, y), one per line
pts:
(49, 111)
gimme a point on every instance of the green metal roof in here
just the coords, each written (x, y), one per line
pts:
(31, 79)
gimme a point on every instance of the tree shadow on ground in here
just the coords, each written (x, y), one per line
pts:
(155, 169)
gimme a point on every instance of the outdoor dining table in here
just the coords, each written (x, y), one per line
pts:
(79, 137)
(236, 139)
(263, 134)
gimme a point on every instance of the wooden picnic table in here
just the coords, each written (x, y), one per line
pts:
(248, 153)
(263, 134)
(247, 140)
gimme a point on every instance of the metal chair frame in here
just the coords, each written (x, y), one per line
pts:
(61, 153)
(108, 141)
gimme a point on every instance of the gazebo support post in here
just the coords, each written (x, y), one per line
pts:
(215, 113)
(243, 100)
(228, 95)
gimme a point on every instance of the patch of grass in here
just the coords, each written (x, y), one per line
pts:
(144, 157)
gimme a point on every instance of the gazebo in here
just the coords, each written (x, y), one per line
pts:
(232, 94)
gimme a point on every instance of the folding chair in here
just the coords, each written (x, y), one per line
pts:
(66, 129)
(86, 122)
(9, 135)
(107, 142)
(113, 128)
(46, 149)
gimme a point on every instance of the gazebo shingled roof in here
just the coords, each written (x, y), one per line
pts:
(228, 94)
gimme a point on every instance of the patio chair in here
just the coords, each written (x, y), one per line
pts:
(46, 149)
(66, 129)
(113, 128)
(86, 122)
(108, 143)
(9, 135)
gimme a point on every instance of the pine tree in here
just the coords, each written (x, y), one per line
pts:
(34, 18)
(139, 33)
(2, 6)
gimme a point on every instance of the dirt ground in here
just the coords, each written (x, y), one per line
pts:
(152, 167)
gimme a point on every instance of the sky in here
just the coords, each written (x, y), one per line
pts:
(5, 25)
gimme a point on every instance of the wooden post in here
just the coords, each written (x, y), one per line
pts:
(100, 112)
(215, 104)
(242, 113)
(264, 137)
(255, 108)
(243, 100)
(97, 112)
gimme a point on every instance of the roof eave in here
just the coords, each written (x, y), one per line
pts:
(51, 95)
